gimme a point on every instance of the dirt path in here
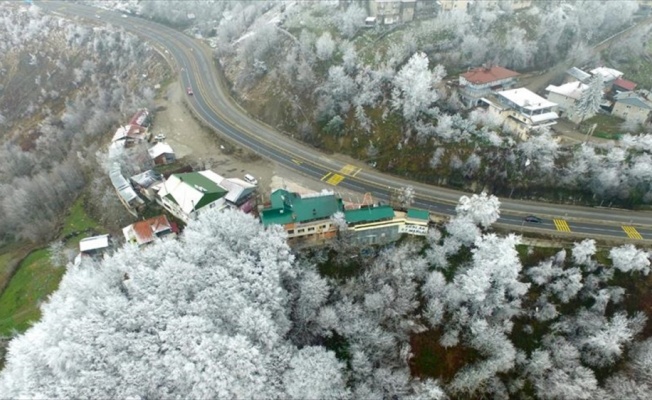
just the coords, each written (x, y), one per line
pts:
(199, 146)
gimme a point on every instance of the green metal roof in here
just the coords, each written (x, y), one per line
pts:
(369, 214)
(418, 214)
(289, 207)
(200, 182)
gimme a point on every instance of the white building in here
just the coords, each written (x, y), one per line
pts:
(522, 110)
(566, 97)
(185, 195)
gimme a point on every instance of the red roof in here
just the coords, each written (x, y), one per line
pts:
(146, 230)
(625, 84)
(139, 118)
(486, 75)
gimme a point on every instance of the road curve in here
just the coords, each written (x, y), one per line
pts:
(213, 104)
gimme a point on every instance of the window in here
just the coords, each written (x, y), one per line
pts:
(311, 229)
(300, 230)
(291, 232)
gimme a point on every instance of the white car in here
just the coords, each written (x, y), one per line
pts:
(250, 178)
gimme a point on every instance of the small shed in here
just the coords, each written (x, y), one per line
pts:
(162, 154)
(94, 245)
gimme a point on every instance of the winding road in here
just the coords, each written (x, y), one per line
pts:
(213, 105)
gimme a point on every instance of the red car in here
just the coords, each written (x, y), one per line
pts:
(189, 91)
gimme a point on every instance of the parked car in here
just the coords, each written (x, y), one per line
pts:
(533, 219)
(189, 91)
(250, 178)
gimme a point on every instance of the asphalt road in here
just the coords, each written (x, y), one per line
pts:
(212, 103)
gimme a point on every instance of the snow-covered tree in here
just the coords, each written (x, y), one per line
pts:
(405, 197)
(325, 46)
(589, 102)
(482, 209)
(202, 317)
(628, 258)
(414, 91)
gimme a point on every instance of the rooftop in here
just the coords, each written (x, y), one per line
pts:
(369, 214)
(578, 74)
(147, 179)
(94, 243)
(608, 74)
(413, 213)
(573, 89)
(633, 98)
(146, 231)
(486, 75)
(160, 148)
(193, 190)
(290, 207)
(524, 98)
(625, 84)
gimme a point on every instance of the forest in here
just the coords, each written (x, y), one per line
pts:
(229, 310)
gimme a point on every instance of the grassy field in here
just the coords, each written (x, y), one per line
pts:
(608, 126)
(36, 277)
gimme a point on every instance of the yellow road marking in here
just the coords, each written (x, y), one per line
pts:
(350, 170)
(632, 232)
(326, 176)
(561, 225)
(297, 162)
(335, 179)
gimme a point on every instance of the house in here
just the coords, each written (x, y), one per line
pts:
(95, 245)
(566, 97)
(451, 5)
(185, 195)
(373, 224)
(386, 11)
(408, 9)
(623, 85)
(479, 82)
(161, 153)
(632, 106)
(126, 192)
(609, 75)
(514, 5)
(575, 74)
(425, 8)
(304, 217)
(141, 118)
(521, 110)
(147, 183)
(143, 232)
(129, 134)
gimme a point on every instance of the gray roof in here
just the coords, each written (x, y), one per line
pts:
(578, 74)
(147, 178)
(121, 185)
(633, 99)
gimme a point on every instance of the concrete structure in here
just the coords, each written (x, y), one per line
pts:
(521, 110)
(632, 106)
(566, 97)
(143, 232)
(480, 82)
(161, 153)
(186, 195)
(386, 11)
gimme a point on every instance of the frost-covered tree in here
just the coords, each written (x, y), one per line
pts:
(325, 46)
(202, 317)
(628, 258)
(414, 91)
(589, 102)
(482, 209)
(405, 197)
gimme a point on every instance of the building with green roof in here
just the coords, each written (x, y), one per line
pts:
(184, 195)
